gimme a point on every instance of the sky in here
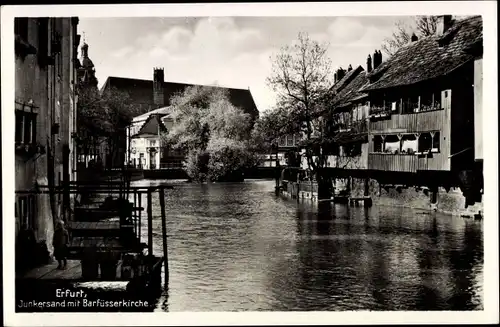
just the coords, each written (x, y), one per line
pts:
(227, 51)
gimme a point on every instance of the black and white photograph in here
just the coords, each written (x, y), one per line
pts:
(325, 158)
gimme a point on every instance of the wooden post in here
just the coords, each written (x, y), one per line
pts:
(135, 214)
(139, 223)
(164, 233)
(150, 225)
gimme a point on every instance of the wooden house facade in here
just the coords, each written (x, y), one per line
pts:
(424, 104)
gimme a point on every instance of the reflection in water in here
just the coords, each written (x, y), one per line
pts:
(236, 247)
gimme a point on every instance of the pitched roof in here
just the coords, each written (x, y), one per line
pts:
(346, 79)
(141, 92)
(151, 127)
(160, 111)
(429, 57)
(352, 91)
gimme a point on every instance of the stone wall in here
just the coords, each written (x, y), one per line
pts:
(449, 202)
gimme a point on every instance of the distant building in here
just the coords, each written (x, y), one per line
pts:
(141, 145)
(287, 145)
(45, 119)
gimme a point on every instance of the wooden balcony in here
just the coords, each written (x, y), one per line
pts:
(408, 163)
(415, 122)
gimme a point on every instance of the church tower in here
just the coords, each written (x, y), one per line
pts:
(86, 72)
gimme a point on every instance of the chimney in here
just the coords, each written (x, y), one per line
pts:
(414, 38)
(443, 24)
(377, 59)
(335, 78)
(369, 64)
(349, 68)
(340, 74)
(158, 93)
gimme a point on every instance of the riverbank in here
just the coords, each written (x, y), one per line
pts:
(450, 202)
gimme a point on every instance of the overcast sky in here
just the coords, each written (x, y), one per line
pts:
(229, 51)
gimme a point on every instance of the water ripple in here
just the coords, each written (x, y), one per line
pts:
(236, 247)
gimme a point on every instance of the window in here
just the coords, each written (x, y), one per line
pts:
(152, 143)
(377, 105)
(424, 142)
(25, 127)
(429, 142)
(19, 126)
(410, 105)
(21, 27)
(409, 144)
(392, 144)
(430, 101)
(282, 141)
(378, 143)
(436, 142)
(289, 140)
(43, 38)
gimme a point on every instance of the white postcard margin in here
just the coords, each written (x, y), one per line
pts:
(487, 9)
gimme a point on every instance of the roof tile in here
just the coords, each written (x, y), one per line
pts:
(429, 57)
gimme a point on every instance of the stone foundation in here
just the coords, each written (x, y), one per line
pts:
(449, 202)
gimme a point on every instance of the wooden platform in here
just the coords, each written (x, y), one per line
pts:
(73, 272)
(106, 243)
(92, 225)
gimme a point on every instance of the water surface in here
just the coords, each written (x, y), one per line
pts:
(237, 247)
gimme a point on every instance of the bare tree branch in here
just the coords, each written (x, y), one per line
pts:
(424, 25)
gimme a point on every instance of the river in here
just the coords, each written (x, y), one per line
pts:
(237, 247)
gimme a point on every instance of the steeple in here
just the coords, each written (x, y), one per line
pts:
(86, 72)
(85, 48)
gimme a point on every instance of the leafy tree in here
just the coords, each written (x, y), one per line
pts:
(214, 134)
(424, 25)
(103, 118)
(301, 79)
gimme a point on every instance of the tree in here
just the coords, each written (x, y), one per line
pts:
(213, 133)
(424, 25)
(301, 80)
(103, 118)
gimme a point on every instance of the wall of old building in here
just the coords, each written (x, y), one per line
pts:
(48, 88)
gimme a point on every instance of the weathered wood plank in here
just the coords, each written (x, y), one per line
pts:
(73, 271)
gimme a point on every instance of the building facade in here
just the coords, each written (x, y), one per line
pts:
(45, 119)
(413, 122)
(143, 146)
(422, 106)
